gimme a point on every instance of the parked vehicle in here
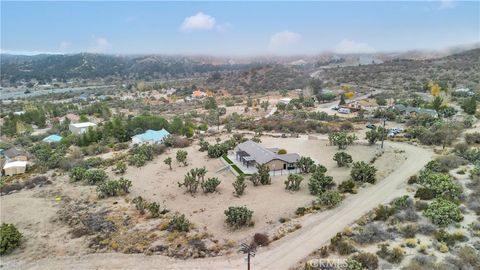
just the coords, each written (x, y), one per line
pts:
(344, 111)
(371, 126)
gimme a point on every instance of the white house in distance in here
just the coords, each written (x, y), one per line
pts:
(150, 137)
(80, 128)
(285, 101)
(15, 167)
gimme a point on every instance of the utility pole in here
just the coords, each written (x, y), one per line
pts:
(249, 250)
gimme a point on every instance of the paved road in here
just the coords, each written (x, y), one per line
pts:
(316, 231)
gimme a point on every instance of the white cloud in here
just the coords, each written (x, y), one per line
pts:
(284, 39)
(446, 4)
(199, 21)
(100, 45)
(350, 46)
(20, 52)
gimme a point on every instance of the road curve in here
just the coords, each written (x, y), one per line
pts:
(317, 229)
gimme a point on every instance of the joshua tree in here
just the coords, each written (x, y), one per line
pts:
(168, 161)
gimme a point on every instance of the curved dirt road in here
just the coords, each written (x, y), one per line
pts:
(316, 231)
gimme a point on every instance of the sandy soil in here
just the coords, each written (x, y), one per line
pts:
(317, 230)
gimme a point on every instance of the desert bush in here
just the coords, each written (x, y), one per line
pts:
(409, 230)
(113, 188)
(363, 172)
(383, 212)
(443, 212)
(441, 185)
(367, 260)
(306, 165)
(154, 209)
(179, 223)
(77, 174)
(450, 162)
(10, 238)
(319, 182)
(342, 244)
(341, 139)
(239, 185)
(282, 152)
(372, 233)
(424, 193)
(329, 198)
(255, 179)
(190, 182)
(120, 167)
(181, 157)
(264, 174)
(140, 204)
(210, 185)
(95, 176)
(238, 216)
(450, 238)
(472, 138)
(342, 159)
(426, 228)
(293, 182)
(351, 264)
(261, 239)
(413, 179)
(466, 258)
(407, 215)
(347, 186)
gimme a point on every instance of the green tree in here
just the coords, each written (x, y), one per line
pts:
(179, 223)
(373, 135)
(293, 182)
(469, 106)
(10, 238)
(319, 182)
(182, 157)
(255, 179)
(363, 172)
(341, 139)
(190, 182)
(168, 161)
(329, 198)
(264, 173)
(210, 185)
(306, 164)
(342, 159)
(238, 216)
(239, 185)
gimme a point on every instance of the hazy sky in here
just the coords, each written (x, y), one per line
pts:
(236, 28)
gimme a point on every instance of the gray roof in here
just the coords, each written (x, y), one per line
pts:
(263, 155)
(14, 152)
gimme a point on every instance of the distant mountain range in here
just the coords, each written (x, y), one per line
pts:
(46, 67)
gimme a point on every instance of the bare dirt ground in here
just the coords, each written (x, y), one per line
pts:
(317, 228)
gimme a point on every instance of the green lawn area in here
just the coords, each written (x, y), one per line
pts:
(235, 167)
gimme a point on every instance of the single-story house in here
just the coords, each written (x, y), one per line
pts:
(14, 167)
(409, 110)
(251, 153)
(80, 128)
(15, 154)
(54, 138)
(19, 113)
(150, 136)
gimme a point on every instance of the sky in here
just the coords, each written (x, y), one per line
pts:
(236, 28)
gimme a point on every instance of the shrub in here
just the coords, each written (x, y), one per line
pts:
(371, 233)
(441, 185)
(342, 159)
(412, 180)
(264, 174)
(77, 173)
(363, 172)
(443, 212)
(329, 198)
(383, 212)
(367, 260)
(424, 193)
(409, 230)
(120, 167)
(210, 185)
(239, 185)
(351, 264)
(341, 139)
(10, 238)
(238, 216)
(282, 152)
(95, 176)
(261, 239)
(300, 211)
(154, 209)
(293, 182)
(168, 161)
(182, 157)
(190, 182)
(450, 238)
(306, 165)
(113, 187)
(255, 179)
(179, 223)
(140, 204)
(319, 182)
(397, 255)
(347, 186)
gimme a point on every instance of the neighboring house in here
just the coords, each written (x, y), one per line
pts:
(251, 154)
(14, 167)
(150, 136)
(284, 101)
(54, 138)
(198, 94)
(19, 113)
(409, 110)
(80, 128)
(15, 154)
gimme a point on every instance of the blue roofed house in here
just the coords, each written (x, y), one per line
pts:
(54, 138)
(150, 136)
